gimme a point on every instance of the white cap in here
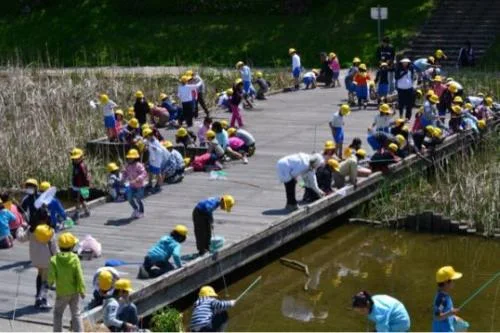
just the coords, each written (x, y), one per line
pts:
(405, 60)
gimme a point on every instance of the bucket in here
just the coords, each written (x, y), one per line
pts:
(216, 243)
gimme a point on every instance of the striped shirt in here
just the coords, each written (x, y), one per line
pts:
(204, 310)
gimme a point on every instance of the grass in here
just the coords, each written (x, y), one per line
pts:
(167, 320)
(468, 189)
(45, 116)
(104, 32)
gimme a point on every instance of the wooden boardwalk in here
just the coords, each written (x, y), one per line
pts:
(284, 124)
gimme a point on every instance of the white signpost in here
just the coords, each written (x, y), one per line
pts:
(379, 13)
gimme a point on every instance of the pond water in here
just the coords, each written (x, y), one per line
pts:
(352, 258)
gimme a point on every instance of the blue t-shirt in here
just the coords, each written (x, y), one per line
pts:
(6, 217)
(209, 205)
(442, 304)
(165, 248)
(222, 139)
(389, 314)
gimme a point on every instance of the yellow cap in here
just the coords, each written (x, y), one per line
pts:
(168, 144)
(224, 124)
(347, 152)
(329, 145)
(439, 54)
(207, 291)
(291, 50)
(400, 139)
(385, 108)
(315, 71)
(189, 72)
(399, 121)
(480, 94)
(112, 167)
(124, 284)
(44, 186)
(361, 152)
(67, 240)
(181, 230)
(43, 233)
(210, 135)
(139, 94)
(163, 96)
(434, 99)
(103, 98)
(393, 147)
(184, 79)
(231, 131)
(119, 112)
(453, 88)
(134, 123)
(481, 124)
(258, 75)
(488, 101)
(456, 109)
(187, 161)
(405, 128)
(228, 202)
(133, 154)
(105, 280)
(151, 105)
(333, 164)
(332, 55)
(229, 91)
(429, 129)
(76, 154)
(383, 64)
(469, 106)
(144, 126)
(438, 78)
(181, 132)
(147, 132)
(356, 60)
(238, 81)
(345, 109)
(362, 67)
(430, 59)
(437, 132)
(447, 273)
(419, 92)
(240, 64)
(458, 99)
(31, 181)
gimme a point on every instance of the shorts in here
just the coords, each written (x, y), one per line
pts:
(338, 135)
(335, 75)
(362, 91)
(244, 148)
(109, 122)
(383, 89)
(296, 72)
(308, 81)
(154, 170)
(247, 85)
(351, 87)
(373, 142)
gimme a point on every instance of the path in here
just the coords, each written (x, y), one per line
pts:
(286, 123)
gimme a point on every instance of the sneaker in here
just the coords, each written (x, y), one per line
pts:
(140, 215)
(134, 214)
(85, 214)
(292, 207)
(245, 160)
(38, 303)
(44, 304)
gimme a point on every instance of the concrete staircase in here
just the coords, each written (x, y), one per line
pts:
(452, 23)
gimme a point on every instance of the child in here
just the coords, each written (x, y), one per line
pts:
(437, 85)
(42, 246)
(103, 280)
(388, 314)
(263, 86)
(129, 133)
(234, 103)
(337, 127)
(187, 95)
(309, 79)
(157, 261)
(325, 177)
(203, 219)
(430, 112)
(173, 164)
(116, 189)
(66, 273)
(244, 135)
(223, 100)
(382, 79)
(214, 149)
(174, 111)
(207, 123)
(349, 80)
(28, 202)
(329, 150)
(109, 118)
(200, 92)
(155, 160)
(118, 121)
(246, 77)
(383, 120)
(80, 183)
(444, 313)
(136, 174)
(455, 122)
(361, 79)
(296, 67)
(185, 137)
(119, 313)
(141, 107)
(56, 209)
(209, 313)
(19, 222)
(223, 140)
(7, 218)
(334, 65)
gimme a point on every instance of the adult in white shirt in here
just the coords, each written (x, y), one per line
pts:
(292, 166)
(155, 160)
(296, 66)
(405, 75)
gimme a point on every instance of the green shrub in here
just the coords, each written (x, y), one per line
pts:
(167, 320)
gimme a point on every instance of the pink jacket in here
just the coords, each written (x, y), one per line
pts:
(335, 65)
(236, 143)
(19, 217)
(136, 174)
(439, 89)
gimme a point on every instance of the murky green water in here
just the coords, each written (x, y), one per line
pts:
(352, 258)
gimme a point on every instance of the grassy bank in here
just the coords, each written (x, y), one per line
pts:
(45, 116)
(92, 32)
(467, 189)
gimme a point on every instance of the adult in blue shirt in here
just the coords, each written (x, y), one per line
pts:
(6, 217)
(157, 261)
(388, 314)
(203, 219)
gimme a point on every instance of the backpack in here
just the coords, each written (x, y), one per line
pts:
(200, 162)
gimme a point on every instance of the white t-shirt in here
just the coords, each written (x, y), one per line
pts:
(156, 153)
(382, 121)
(337, 120)
(405, 82)
(107, 108)
(310, 74)
(295, 61)
(185, 92)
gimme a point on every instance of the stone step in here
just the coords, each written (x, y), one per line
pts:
(454, 37)
(446, 42)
